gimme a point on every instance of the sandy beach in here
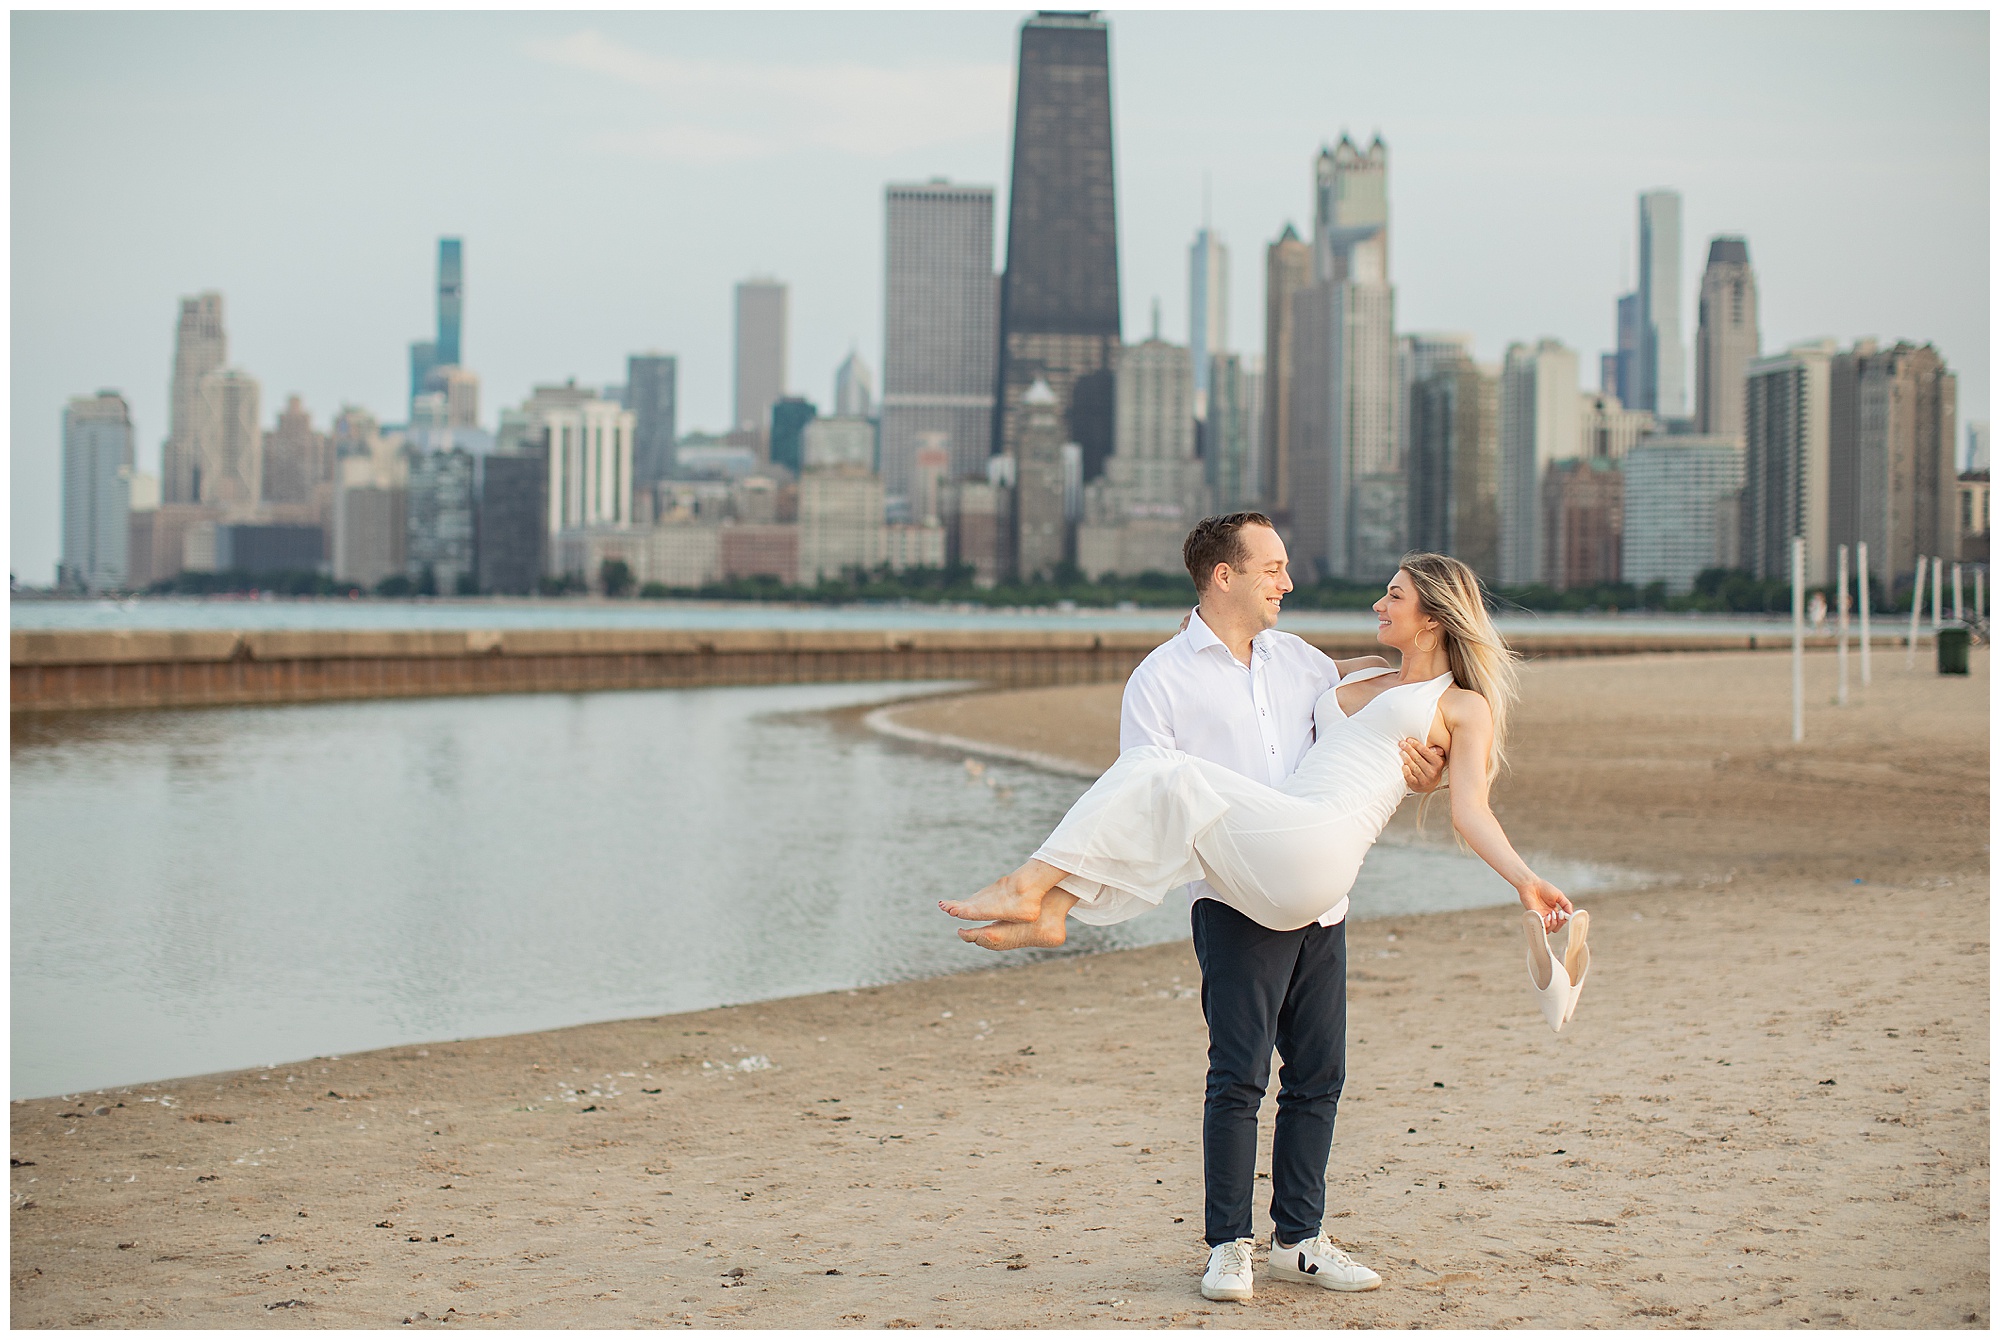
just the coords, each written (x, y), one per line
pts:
(1770, 1111)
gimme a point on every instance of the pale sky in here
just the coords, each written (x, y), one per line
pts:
(613, 175)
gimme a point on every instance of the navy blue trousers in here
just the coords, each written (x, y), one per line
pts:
(1262, 989)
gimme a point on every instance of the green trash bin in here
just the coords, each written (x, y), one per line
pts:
(1954, 644)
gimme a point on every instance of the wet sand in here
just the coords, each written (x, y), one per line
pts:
(1771, 1109)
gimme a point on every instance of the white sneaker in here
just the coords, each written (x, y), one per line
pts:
(1228, 1277)
(1319, 1262)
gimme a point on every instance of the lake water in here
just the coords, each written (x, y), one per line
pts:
(207, 890)
(261, 615)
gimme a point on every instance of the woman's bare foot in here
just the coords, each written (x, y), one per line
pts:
(1046, 931)
(1013, 897)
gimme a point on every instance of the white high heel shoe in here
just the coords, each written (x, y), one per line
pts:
(1576, 960)
(1547, 975)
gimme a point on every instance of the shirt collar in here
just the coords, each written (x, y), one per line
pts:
(1201, 638)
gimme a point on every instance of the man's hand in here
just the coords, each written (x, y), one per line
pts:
(1423, 765)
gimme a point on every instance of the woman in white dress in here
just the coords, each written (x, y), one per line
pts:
(1285, 855)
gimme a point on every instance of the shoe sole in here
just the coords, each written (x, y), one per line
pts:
(1298, 1276)
(1225, 1295)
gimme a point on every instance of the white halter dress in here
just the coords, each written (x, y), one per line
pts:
(1285, 856)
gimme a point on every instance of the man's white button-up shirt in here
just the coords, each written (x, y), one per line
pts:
(1192, 694)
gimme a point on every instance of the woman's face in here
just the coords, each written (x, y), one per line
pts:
(1398, 619)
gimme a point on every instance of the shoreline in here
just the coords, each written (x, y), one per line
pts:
(1020, 1146)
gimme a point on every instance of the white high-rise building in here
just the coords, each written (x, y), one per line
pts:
(1680, 505)
(1726, 338)
(1349, 498)
(589, 457)
(853, 388)
(941, 314)
(227, 443)
(1540, 423)
(1208, 310)
(200, 347)
(96, 493)
(1662, 348)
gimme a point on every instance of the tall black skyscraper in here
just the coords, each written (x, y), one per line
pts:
(1059, 297)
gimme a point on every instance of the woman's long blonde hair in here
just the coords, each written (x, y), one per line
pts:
(1449, 591)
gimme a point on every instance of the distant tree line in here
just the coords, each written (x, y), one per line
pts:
(1716, 591)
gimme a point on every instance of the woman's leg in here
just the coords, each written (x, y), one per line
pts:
(1017, 896)
(1048, 929)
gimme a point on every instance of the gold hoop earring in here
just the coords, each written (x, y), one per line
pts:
(1427, 650)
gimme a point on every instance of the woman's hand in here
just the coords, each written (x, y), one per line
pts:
(1546, 901)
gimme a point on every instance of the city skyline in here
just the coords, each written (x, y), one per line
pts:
(100, 292)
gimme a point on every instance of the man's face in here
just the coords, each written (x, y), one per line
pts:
(1254, 590)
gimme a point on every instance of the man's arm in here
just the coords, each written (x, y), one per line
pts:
(1145, 716)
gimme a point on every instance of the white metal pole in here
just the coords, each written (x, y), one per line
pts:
(1798, 638)
(1937, 592)
(1861, 559)
(1916, 611)
(1840, 622)
(1958, 593)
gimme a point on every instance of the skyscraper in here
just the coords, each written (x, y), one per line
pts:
(1231, 435)
(853, 388)
(1539, 410)
(1892, 448)
(1059, 316)
(1726, 337)
(1662, 354)
(1208, 310)
(763, 335)
(1680, 495)
(1287, 269)
(297, 459)
(1625, 382)
(1453, 459)
(650, 393)
(438, 554)
(229, 447)
(1349, 504)
(1787, 421)
(513, 521)
(1154, 486)
(789, 417)
(96, 493)
(450, 300)
(940, 324)
(423, 361)
(1583, 518)
(200, 347)
(1041, 528)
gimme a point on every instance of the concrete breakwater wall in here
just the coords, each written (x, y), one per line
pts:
(85, 671)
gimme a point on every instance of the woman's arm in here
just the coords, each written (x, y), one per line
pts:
(1470, 723)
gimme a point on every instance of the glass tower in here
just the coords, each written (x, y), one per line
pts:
(451, 297)
(1662, 353)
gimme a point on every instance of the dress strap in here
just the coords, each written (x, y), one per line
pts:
(1375, 672)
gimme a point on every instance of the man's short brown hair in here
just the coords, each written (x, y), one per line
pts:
(1218, 539)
